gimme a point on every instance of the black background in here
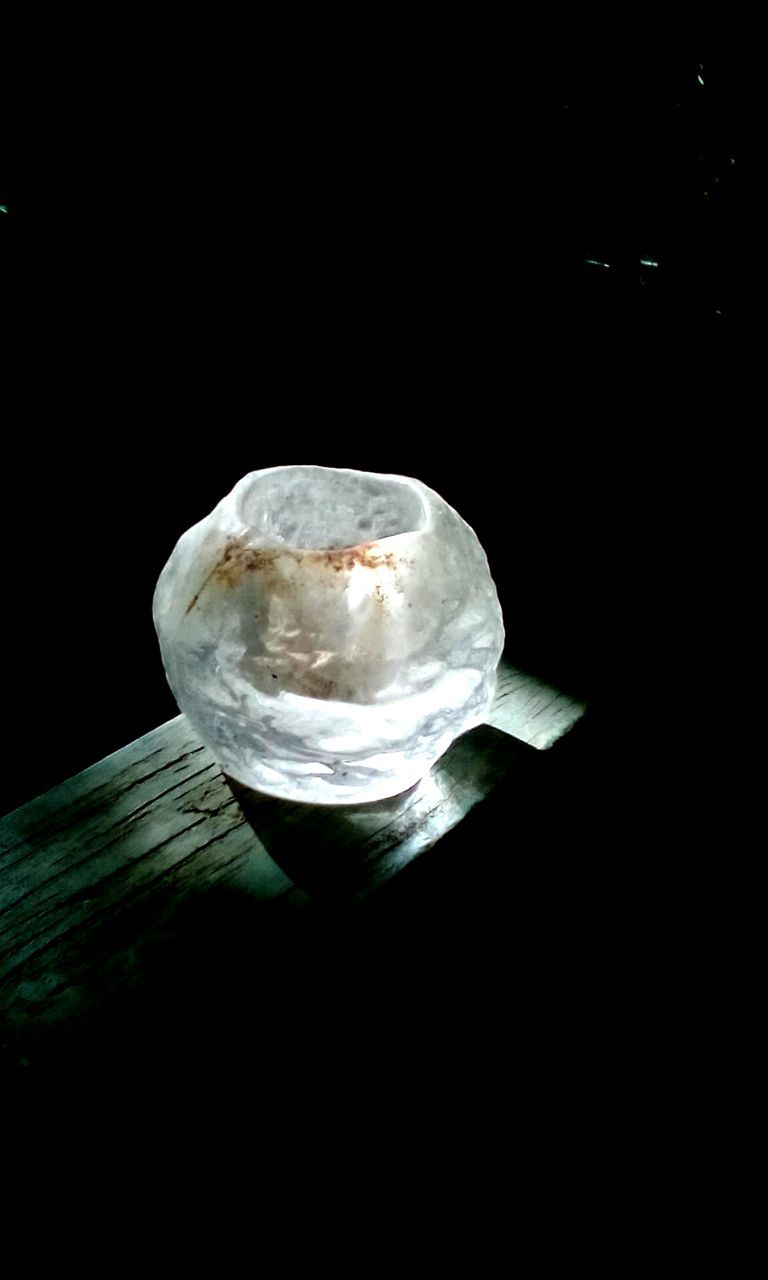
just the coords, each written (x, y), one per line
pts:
(371, 250)
(378, 261)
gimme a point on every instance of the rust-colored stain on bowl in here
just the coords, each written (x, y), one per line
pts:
(237, 560)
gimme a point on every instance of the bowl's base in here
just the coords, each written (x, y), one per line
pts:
(317, 791)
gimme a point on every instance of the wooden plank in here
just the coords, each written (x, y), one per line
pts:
(92, 874)
(531, 710)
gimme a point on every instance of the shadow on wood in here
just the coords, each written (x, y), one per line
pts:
(341, 854)
(152, 919)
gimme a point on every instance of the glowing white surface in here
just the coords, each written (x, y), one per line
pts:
(329, 632)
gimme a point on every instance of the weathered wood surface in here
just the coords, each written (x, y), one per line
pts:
(95, 875)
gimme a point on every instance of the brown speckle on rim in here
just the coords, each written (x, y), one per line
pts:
(236, 560)
(366, 556)
(226, 569)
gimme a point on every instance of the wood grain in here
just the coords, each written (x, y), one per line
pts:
(96, 874)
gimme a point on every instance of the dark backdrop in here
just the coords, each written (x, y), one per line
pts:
(385, 251)
(512, 276)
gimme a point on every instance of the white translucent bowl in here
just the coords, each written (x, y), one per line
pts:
(328, 632)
